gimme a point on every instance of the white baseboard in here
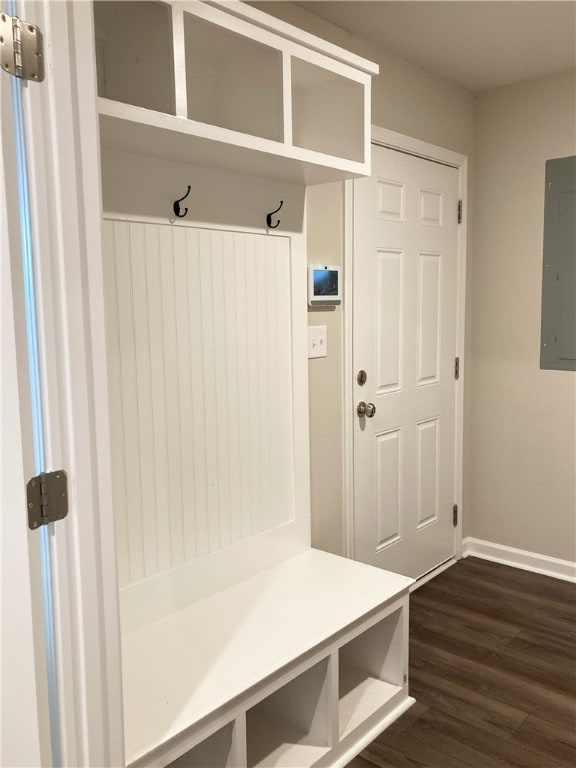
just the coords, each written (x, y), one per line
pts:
(520, 558)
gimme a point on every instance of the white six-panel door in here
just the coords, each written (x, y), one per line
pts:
(404, 338)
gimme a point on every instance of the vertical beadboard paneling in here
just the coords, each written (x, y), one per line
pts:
(198, 401)
(158, 389)
(208, 364)
(185, 363)
(115, 404)
(171, 377)
(264, 357)
(284, 449)
(243, 381)
(230, 350)
(129, 389)
(220, 388)
(144, 397)
(199, 346)
(253, 442)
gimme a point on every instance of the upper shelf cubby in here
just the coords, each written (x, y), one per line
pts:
(319, 121)
(232, 81)
(134, 58)
(219, 83)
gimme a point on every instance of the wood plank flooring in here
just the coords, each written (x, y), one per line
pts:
(493, 672)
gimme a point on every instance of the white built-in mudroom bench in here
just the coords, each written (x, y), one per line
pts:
(301, 664)
(241, 644)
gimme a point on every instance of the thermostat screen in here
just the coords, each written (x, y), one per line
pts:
(325, 282)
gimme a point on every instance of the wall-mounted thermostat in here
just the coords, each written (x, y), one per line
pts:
(324, 285)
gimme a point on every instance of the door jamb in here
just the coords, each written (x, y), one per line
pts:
(392, 140)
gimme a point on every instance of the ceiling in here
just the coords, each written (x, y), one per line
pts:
(477, 44)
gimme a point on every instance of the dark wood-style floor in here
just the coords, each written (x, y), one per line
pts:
(493, 671)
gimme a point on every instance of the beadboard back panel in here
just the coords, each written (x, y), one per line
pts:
(199, 338)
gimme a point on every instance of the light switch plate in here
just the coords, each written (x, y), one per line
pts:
(317, 341)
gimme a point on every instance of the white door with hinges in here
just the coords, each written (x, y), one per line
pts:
(404, 345)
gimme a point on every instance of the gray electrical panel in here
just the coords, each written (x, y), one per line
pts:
(558, 336)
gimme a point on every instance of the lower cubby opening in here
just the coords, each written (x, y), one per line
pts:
(371, 670)
(217, 751)
(291, 727)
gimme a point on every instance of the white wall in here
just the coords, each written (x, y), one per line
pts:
(521, 432)
(416, 103)
(324, 245)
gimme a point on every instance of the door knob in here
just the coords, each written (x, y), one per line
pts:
(366, 409)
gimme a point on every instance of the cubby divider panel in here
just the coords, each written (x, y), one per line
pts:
(291, 727)
(134, 58)
(232, 81)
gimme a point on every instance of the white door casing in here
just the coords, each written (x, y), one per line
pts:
(61, 132)
(407, 325)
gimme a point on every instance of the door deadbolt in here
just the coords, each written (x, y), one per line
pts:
(366, 409)
(361, 378)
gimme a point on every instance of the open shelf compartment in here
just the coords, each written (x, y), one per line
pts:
(134, 53)
(327, 111)
(217, 751)
(220, 84)
(292, 726)
(232, 81)
(371, 671)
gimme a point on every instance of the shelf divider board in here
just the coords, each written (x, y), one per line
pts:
(126, 128)
(180, 91)
(240, 754)
(368, 124)
(334, 699)
(287, 97)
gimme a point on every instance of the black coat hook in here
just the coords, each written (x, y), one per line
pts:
(176, 206)
(269, 224)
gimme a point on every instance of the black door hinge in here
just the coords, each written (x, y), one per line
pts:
(47, 497)
(456, 367)
(455, 515)
(21, 48)
(459, 211)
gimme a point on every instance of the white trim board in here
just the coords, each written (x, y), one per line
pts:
(520, 558)
(393, 140)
